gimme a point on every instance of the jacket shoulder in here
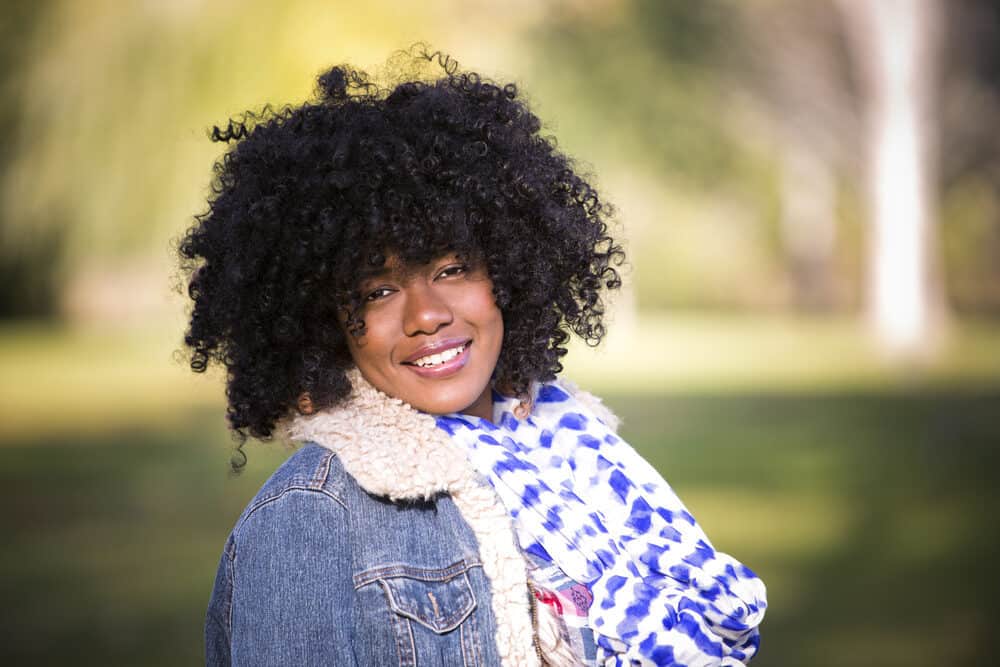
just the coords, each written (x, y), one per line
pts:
(310, 468)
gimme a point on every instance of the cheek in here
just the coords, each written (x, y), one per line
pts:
(488, 315)
(350, 340)
(370, 347)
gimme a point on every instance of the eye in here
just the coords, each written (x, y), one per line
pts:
(379, 293)
(453, 270)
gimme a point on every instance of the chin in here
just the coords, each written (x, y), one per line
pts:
(442, 407)
(447, 402)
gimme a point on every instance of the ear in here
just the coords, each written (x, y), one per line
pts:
(305, 404)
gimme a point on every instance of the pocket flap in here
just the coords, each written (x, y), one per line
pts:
(438, 605)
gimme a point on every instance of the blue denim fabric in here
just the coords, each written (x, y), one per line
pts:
(318, 572)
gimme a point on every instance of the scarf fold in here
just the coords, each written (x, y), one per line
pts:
(582, 498)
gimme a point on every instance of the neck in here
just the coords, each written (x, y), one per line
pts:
(483, 406)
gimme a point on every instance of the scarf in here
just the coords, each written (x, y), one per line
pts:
(582, 498)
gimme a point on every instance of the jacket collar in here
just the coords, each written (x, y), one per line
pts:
(390, 448)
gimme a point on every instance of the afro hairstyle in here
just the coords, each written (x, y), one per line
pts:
(308, 199)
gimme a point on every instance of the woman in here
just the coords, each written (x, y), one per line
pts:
(389, 276)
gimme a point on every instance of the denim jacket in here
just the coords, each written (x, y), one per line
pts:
(374, 544)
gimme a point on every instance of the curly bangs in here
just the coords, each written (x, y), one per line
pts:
(309, 197)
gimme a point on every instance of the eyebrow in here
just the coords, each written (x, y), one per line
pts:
(394, 270)
(369, 274)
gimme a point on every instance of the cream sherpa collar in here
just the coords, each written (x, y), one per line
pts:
(391, 449)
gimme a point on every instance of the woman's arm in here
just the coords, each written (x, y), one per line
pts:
(293, 597)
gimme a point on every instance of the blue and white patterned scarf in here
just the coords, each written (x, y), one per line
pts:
(582, 498)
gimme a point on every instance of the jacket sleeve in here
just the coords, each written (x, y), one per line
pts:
(293, 597)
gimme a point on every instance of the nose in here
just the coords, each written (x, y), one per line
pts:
(425, 312)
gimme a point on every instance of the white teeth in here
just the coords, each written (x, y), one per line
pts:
(440, 357)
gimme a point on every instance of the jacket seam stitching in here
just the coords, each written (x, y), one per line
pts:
(395, 621)
(362, 579)
(462, 643)
(288, 489)
(413, 643)
(477, 653)
(323, 474)
(231, 572)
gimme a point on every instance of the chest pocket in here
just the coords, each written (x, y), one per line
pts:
(439, 604)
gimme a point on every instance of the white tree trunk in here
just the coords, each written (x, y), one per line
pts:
(894, 42)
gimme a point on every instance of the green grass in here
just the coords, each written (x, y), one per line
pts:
(866, 499)
(870, 517)
(111, 541)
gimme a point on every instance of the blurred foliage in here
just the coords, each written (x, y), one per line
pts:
(30, 261)
(642, 89)
(682, 109)
(971, 244)
(705, 97)
(970, 155)
(648, 77)
(116, 101)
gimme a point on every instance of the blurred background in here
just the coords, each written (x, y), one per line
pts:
(808, 347)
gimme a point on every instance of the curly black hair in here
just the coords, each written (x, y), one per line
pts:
(310, 198)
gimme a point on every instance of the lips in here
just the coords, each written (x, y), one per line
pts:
(441, 359)
(437, 347)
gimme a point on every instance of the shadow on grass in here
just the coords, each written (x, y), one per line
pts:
(872, 519)
(111, 541)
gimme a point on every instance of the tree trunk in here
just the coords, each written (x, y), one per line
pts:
(894, 45)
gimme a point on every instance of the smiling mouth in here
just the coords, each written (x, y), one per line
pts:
(443, 357)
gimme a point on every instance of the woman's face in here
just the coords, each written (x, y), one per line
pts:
(432, 335)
